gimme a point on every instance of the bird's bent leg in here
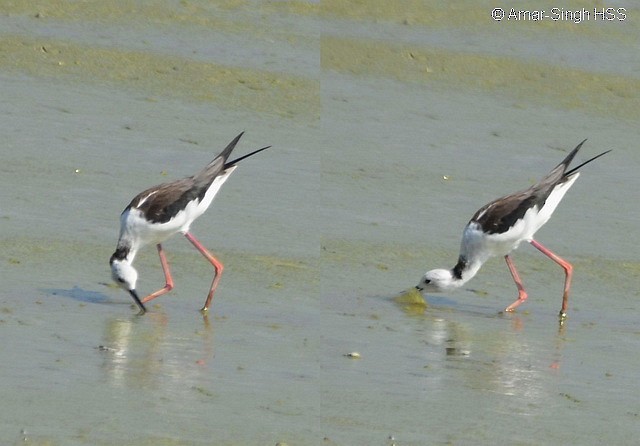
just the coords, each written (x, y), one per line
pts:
(167, 277)
(568, 271)
(217, 265)
(522, 294)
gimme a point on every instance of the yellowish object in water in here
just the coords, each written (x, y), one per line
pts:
(411, 297)
(412, 301)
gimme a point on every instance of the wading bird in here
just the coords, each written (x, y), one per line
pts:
(162, 211)
(499, 227)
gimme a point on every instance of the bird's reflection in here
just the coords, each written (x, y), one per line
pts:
(492, 353)
(147, 351)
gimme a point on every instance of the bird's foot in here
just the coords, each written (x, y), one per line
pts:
(562, 317)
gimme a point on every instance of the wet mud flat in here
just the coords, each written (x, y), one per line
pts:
(389, 127)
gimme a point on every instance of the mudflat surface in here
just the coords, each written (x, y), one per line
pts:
(390, 127)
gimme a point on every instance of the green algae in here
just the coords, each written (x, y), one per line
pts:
(537, 82)
(262, 91)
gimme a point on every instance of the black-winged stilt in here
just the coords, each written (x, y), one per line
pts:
(161, 211)
(500, 226)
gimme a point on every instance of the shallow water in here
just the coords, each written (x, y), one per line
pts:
(389, 129)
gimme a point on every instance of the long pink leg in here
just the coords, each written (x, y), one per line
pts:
(522, 294)
(167, 277)
(217, 265)
(568, 271)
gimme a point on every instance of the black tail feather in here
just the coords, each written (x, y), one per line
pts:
(237, 160)
(227, 151)
(565, 162)
(566, 174)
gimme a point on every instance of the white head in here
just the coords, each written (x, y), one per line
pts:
(126, 277)
(124, 274)
(437, 280)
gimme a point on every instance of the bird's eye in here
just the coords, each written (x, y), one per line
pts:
(427, 281)
(120, 279)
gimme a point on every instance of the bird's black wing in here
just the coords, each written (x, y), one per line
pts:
(163, 202)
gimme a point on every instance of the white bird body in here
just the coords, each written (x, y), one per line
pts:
(135, 228)
(477, 245)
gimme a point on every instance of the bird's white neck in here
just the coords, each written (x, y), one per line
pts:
(124, 252)
(464, 271)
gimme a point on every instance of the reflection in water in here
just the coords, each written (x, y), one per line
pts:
(491, 357)
(145, 352)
